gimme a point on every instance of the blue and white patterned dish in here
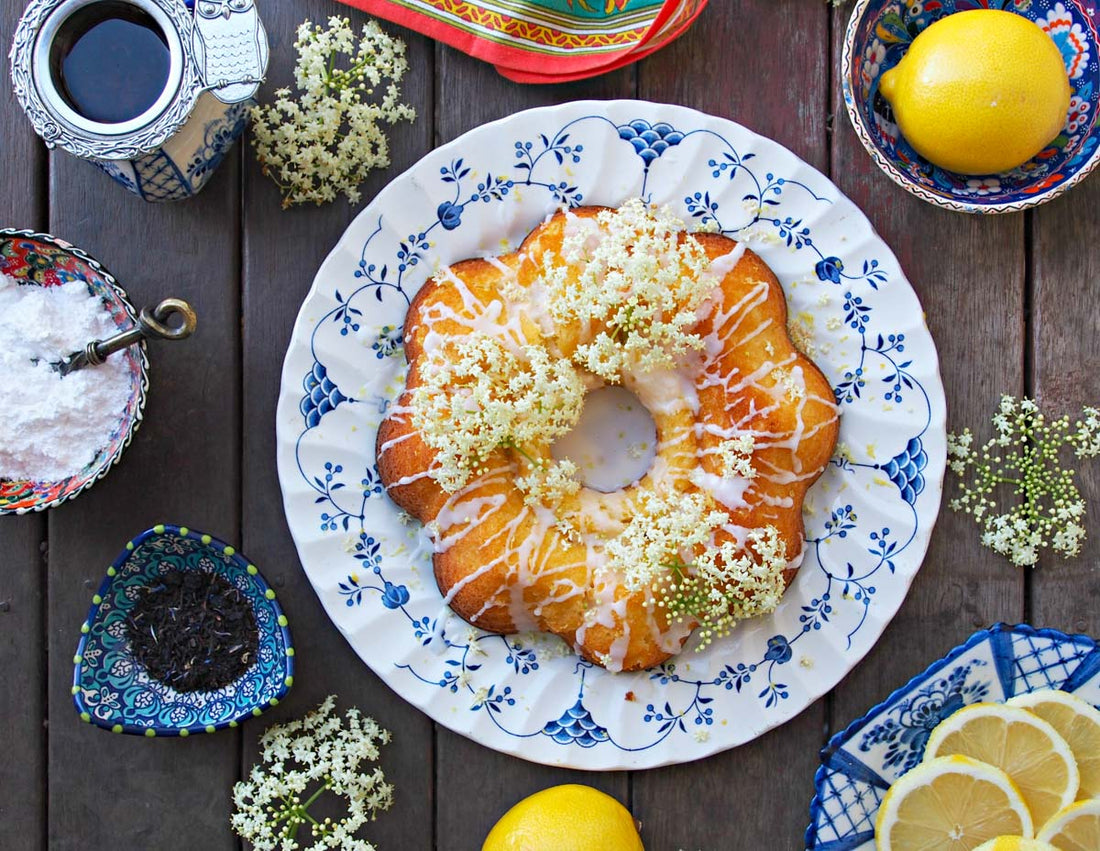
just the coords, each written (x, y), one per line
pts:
(868, 518)
(113, 691)
(879, 33)
(859, 764)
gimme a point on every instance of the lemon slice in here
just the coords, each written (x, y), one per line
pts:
(953, 803)
(1076, 828)
(1023, 745)
(1015, 843)
(1078, 722)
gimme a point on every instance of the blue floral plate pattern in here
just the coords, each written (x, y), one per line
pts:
(112, 690)
(868, 518)
(879, 33)
(859, 764)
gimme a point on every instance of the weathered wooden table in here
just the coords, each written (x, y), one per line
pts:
(1011, 301)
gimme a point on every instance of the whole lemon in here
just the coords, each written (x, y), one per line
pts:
(979, 92)
(565, 818)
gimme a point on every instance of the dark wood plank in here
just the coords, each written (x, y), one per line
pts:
(458, 77)
(282, 251)
(183, 467)
(1066, 351)
(23, 661)
(22, 539)
(465, 818)
(726, 65)
(758, 63)
(968, 271)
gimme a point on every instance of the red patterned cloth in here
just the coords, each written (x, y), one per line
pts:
(545, 41)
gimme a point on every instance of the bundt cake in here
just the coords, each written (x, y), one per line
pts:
(502, 352)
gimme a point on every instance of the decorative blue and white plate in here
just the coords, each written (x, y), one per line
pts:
(112, 689)
(860, 763)
(868, 519)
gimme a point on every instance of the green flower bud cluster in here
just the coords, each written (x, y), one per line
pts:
(1025, 460)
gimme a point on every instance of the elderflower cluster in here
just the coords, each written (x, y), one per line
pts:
(730, 583)
(664, 528)
(634, 275)
(313, 755)
(735, 457)
(549, 483)
(475, 395)
(1023, 459)
(327, 140)
(668, 547)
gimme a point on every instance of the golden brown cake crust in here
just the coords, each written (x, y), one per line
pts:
(503, 565)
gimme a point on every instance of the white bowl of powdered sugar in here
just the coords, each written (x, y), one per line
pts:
(60, 434)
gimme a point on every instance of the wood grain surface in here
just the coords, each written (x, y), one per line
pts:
(1010, 300)
(23, 564)
(281, 254)
(1064, 353)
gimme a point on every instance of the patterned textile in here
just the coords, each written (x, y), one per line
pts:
(545, 41)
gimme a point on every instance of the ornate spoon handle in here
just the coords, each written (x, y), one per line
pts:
(153, 324)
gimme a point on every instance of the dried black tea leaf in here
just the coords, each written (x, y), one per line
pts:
(193, 631)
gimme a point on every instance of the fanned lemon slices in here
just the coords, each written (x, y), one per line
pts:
(1076, 828)
(1015, 843)
(953, 803)
(1076, 721)
(1024, 746)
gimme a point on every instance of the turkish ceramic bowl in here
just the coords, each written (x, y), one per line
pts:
(879, 34)
(111, 688)
(859, 764)
(38, 259)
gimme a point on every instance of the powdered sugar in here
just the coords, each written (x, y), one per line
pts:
(53, 427)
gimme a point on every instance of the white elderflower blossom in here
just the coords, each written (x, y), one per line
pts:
(730, 583)
(1024, 459)
(668, 547)
(639, 279)
(1086, 442)
(314, 755)
(735, 456)
(476, 395)
(665, 530)
(549, 483)
(327, 140)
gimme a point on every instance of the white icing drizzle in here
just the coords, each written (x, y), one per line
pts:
(520, 547)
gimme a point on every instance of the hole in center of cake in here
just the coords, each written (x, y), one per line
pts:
(614, 442)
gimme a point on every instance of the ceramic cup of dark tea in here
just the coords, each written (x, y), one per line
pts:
(153, 92)
(184, 636)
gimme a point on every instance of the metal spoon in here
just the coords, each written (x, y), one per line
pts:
(152, 325)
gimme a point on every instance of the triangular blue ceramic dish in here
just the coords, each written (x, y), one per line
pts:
(112, 690)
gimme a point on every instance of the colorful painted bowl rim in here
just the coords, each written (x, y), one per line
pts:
(143, 360)
(847, 57)
(977, 638)
(241, 562)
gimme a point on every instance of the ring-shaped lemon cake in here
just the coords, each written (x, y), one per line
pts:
(501, 353)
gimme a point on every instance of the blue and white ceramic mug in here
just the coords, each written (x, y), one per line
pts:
(217, 56)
